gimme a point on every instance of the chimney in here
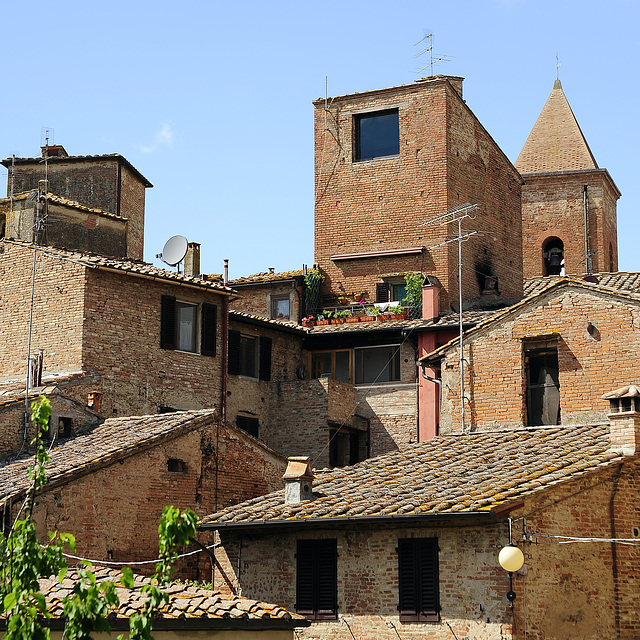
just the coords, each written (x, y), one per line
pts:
(225, 276)
(298, 480)
(192, 260)
(624, 419)
(54, 151)
(430, 301)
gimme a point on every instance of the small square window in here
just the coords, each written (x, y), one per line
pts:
(377, 135)
(187, 316)
(377, 364)
(280, 307)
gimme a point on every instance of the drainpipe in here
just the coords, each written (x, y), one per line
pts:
(585, 202)
(225, 350)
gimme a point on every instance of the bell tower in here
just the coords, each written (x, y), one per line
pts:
(569, 224)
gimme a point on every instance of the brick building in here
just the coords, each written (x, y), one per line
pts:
(155, 340)
(108, 183)
(110, 483)
(387, 162)
(568, 203)
(346, 555)
(544, 361)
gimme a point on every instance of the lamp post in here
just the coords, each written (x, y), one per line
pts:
(511, 559)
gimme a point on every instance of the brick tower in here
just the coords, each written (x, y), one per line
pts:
(387, 161)
(568, 202)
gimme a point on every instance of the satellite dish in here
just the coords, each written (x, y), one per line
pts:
(175, 249)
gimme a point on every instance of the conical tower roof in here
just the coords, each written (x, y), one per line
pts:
(556, 142)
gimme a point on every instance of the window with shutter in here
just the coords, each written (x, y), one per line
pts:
(234, 352)
(317, 578)
(382, 292)
(168, 327)
(418, 580)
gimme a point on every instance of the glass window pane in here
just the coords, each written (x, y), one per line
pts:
(379, 364)
(280, 308)
(247, 356)
(320, 365)
(342, 366)
(377, 135)
(187, 326)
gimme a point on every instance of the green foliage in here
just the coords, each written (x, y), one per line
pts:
(413, 300)
(312, 282)
(313, 278)
(327, 314)
(24, 561)
(373, 311)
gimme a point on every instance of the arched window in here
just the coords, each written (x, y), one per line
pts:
(553, 256)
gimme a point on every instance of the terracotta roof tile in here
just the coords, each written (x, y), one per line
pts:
(448, 474)
(52, 197)
(622, 281)
(265, 277)
(132, 267)
(184, 601)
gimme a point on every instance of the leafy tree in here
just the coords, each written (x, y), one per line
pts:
(24, 560)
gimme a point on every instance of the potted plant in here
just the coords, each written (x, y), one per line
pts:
(372, 314)
(342, 299)
(308, 321)
(349, 317)
(322, 320)
(397, 312)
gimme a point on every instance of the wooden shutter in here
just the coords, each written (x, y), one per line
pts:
(209, 329)
(382, 292)
(234, 352)
(265, 358)
(168, 324)
(316, 579)
(418, 580)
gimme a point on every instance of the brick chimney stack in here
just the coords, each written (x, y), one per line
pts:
(624, 419)
(192, 260)
(430, 301)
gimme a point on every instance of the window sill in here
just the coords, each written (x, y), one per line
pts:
(377, 158)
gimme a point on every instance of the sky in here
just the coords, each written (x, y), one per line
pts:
(212, 101)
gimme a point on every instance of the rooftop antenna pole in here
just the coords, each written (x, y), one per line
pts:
(432, 60)
(458, 214)
(558, 65)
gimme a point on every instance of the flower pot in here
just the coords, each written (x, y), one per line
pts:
(384, 316)
(399, 316)
(308, 323)
(353, 319)
(322, 322)
(367, 318)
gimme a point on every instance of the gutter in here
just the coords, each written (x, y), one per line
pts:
(302, 523)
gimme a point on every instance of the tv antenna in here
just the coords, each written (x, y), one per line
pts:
(457, 214)
(432, 60)
(174, 251)
(47, 136)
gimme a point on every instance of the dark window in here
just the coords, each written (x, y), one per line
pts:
(344, 447)
(331, 364)
(64, 427)
(377, 364)
(280, 307)
(179, 326)
(250, 356)
(250, 425)
(377, 135)
(174, 465)
(317, 578)
(399, 292)
(543, 386)
(418, 580)
(3, 225)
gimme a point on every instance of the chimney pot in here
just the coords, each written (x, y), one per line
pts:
(192, 260)
(430, 301)
(298, 480)
(624, 419)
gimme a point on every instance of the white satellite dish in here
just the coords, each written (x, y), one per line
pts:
(175, 249)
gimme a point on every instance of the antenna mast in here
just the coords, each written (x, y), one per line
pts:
(457, 214)
(429, 49)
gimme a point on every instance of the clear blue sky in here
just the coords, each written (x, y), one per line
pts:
(211, 101)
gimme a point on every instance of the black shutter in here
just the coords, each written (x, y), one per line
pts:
(382, 292)
(316, 579)
(418, 580)
(304, 578)
(168, 324)
(209, 329)
(327, 580)
(234, 352)
(265, 358)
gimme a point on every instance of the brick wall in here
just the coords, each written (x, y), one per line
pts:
(132, 200)
(589, 366)
(584, 589)
(256, 299)
(446, 159)
(251, 396)
(114, 511)
(121, 342)
(58, 311)
(553, 206)
(472, 585)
